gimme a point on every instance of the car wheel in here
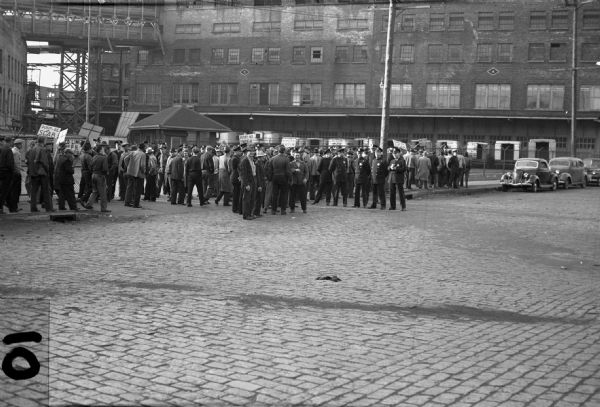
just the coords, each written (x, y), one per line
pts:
(554, 185)
(535, 187)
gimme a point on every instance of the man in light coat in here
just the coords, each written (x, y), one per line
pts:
(136, 173)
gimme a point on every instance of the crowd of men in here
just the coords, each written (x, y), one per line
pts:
(253, 180)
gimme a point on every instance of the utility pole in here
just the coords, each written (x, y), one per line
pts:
(573, 81)
(385, 108)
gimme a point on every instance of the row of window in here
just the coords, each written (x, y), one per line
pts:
(10, 102)
(407, 22)
(353, 95)
(14, 69)
(402, 53)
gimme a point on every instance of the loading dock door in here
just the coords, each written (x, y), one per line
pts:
(507, 152)
(542, 150)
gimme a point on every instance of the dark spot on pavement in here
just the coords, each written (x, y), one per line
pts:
(152, 286)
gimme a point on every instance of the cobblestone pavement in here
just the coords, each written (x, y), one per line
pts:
(481, 300)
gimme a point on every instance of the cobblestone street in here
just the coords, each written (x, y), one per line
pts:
(480, 300)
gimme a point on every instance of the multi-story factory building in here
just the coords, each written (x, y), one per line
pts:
(463, 70)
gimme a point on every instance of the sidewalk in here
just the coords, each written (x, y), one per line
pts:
(162, 206)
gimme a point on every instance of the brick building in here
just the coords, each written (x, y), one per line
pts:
(464, 70)
(13, 77)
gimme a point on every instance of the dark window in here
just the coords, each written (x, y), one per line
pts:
(591, 19)
(560, 20)
(558, 52)
(267, 2)
(408, 22)
(590, 52)
(537, 20)
(195, 56)
(360, 54)
(436, 22)
(506, 21)
(341, 55)
(485, 20)
(456, 21)
(179, 56)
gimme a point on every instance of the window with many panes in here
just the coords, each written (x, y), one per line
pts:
(560, 20)
(270, 20)
(407, 53)
(561, 143)
(435, 52)
(306, 94)
(545, 97)
(492, 96)
(585, 143)
(308, 22)
(360, 54)
(187, 29)
(407, 22)
(537, 20)
(217, 56)
(194, 56)
(185, 93)
(400, 96)
(233, 56)
(558, 52)
(258, 55)
(589, 98)
(485, 20)
(436, 22)
(456, 21)
(455, 53)
(220, 28)
(223, 94)
(349, 94)
(484, 52)
(316, 55)
(443, 96)
(298, 55)
(505, 52)
(147, 93)
(143, 57)
(591, 20)
(179, 56)
(342, 54)
(264, 94)
(536, 52)
(273, 55)
(352, 24)
(506, 21)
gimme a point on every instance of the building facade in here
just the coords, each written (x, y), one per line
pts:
(478, 71)
(13, 77)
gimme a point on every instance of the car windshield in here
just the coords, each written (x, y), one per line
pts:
(526, 164)
(592, 162)
(564, 163)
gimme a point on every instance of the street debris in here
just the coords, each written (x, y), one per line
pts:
(330, 278)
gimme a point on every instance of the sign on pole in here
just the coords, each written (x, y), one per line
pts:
(289, 142)
(48, 131)
(62, 136)
(399, 144)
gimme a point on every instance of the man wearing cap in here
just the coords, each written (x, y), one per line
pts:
(65, 180)
(299, 180)
(39, 168)
(280, 174)
(397, 170)
(176, 169)
(379, 171)
(325, 180)
(7, 171)
(99, 174)
(193, 171)
(234, 177)
(19, 173)
(339, 171)
(261, 182)
(247, 170)
(362, 170)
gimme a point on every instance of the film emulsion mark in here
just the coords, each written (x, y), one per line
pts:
(24, 350)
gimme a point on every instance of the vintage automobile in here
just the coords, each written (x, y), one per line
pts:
(530, 173)
(569, 170)
(592, 170)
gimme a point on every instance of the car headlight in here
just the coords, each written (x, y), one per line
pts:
(525, 175)
(594, 173)
(557, 171)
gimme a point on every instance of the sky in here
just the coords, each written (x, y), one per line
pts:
(44, 76)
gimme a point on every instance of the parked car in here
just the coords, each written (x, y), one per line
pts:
(592, 170)
(569, 170)
(530, 173)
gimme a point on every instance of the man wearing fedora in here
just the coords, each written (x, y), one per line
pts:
(247, 169)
